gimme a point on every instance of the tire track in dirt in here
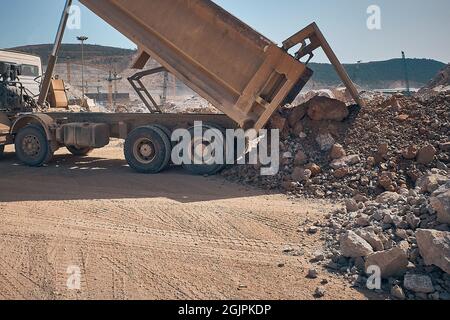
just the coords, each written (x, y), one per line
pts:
(169, 236)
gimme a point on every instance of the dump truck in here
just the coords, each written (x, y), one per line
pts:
(239, 71)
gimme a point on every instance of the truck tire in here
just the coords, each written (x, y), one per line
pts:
(79, 152)
(148, 150)
(32, 146)
(166, 135)
(205, 169)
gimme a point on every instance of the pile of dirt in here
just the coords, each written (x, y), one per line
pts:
(389, 162)
(331, 151)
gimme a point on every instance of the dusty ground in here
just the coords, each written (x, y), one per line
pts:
(169, 236)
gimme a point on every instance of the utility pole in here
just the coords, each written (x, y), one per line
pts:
(165, 87)
(112, 79)
(82, 39)
(405, 64)
(69, 70)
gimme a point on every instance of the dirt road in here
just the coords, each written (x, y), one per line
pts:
(168, 236)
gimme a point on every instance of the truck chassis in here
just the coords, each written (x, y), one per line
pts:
(148, 143)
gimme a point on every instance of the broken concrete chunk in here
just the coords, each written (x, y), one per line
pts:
(441, 203)
(418, 283)
(345, 162)
(434, 247)
(372, 239)
(353, 246)
(391, 262)
(389, 198)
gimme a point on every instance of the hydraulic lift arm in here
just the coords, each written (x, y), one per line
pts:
(54, 55)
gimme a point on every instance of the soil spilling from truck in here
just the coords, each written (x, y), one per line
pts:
(329, 150)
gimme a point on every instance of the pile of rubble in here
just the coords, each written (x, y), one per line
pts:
(406, 235)
(329, 150)
(389, 161)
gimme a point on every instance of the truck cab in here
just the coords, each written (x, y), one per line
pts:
(30, 67)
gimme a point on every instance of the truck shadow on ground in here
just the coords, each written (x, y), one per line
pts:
(68, 177)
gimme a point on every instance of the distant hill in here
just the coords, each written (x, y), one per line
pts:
(380, 74)
(370, 75)
(94, 54)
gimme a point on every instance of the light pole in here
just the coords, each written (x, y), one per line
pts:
(82, 39)
(405, 66)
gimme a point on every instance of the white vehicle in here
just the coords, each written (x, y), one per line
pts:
(31, 68)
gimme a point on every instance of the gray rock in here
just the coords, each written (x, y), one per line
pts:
(301, 174)
(312, 274)
(418, 283)
(320, 292)
(391, 262)
(430, 183)
(389, 198)
(434, 248)
(372, 239)
(319, 256)
(346, 161)
(353, 246)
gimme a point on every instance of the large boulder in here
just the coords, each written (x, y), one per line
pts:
(434, 248)
(391, 262)
(297, 114)
(371, 238)
(440, 201)
(353, 246)
(431, 182)
(323, 108)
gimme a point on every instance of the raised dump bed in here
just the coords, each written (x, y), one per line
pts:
(242, 73)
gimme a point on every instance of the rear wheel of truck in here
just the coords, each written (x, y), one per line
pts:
(32, 146)
(79, 152)
(199, 150)
(148, 150)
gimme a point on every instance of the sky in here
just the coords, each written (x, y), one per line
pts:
(420, 28)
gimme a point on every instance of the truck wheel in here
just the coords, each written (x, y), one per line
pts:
(148, 150)
(167, 133)
(32, 146)
(204, 168)
(80, 152)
